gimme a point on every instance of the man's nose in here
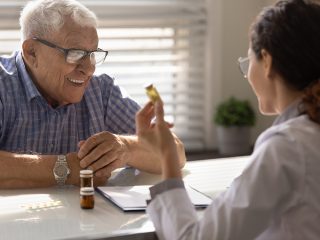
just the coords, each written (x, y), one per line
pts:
(86, 67)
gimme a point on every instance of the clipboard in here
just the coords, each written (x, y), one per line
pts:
(134, 198)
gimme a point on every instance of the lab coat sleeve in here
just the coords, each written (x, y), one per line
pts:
(264, 190)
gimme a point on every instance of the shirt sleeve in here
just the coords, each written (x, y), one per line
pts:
(121, 109)
(166, 185)
(265, 189)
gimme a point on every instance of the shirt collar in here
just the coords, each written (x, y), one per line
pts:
(31, 90)
(292, 111)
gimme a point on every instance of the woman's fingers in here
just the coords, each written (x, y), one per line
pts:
(159, 112)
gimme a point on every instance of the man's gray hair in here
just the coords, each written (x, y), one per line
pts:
(42, 17)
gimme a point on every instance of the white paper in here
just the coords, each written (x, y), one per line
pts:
(133, 198)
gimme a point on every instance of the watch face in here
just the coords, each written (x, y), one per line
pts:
(61, 171)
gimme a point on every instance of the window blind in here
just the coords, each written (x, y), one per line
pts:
(149, 41)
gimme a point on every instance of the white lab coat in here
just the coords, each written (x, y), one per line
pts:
(277, 197)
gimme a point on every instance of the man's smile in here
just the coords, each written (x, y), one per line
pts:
(76, 81)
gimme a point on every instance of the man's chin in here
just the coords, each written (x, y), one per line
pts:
(73, 100)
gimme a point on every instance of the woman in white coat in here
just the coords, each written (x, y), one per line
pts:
(277, 196)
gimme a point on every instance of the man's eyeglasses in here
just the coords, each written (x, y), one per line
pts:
(244, 65)
(74, 56)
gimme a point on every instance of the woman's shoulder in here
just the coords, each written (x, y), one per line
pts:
(290, 145)
(295, 129)
(296, 139)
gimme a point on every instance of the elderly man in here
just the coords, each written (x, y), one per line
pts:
(56, 116)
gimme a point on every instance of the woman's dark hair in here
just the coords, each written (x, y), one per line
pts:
(290, 32)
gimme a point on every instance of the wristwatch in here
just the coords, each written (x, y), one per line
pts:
(61, 170)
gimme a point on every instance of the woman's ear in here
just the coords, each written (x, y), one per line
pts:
(29, 53)
(267, 64)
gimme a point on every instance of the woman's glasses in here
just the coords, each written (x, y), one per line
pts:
(244, 65)
(74, 56)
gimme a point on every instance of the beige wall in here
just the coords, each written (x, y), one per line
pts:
(228, 38)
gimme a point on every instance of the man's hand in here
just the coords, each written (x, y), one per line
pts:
(103, 153)
(74, 178)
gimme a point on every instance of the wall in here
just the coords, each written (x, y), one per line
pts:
(229, 22)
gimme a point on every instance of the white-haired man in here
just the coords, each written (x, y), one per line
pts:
(56, 117)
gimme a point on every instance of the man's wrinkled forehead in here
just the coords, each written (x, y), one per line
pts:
(73, 35)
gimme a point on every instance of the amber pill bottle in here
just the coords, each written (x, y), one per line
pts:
(87, 198)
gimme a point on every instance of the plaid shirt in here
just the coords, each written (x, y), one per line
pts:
(28, 124)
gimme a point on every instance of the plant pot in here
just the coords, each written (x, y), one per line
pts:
(234, 140)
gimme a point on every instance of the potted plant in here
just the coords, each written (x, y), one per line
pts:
(234, 118)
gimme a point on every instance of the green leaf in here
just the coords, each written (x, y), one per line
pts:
(234, 112)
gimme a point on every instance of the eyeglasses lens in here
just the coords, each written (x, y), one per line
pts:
(96, 58)
(74, 56)
(244, 66)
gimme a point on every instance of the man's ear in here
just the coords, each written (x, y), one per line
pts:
(267, 63)
(29, 52)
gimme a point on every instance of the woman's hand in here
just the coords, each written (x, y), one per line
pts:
(157, 137)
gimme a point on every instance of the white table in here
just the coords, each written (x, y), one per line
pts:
(54, 213)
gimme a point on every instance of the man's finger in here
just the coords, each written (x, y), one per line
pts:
(95, 154)
(92, 142)
(106, 171)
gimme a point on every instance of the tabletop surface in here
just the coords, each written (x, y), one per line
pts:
(54, 213)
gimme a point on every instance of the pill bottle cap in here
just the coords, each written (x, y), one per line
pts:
(86, 173)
